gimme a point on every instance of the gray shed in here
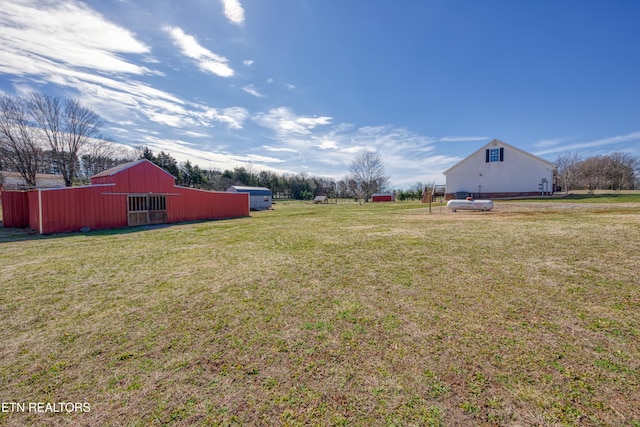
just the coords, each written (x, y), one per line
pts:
(260, 198)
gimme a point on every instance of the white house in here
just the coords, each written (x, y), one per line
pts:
(499, 170)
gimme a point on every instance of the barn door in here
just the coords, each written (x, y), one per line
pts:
(146, 209)
(157, 209)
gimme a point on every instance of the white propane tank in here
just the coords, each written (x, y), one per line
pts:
(470, 205)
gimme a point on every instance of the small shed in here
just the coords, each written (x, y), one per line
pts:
(260, 198)
(383, 197)
(320, 199)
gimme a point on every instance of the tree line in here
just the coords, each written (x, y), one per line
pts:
(367, 177)
(616, 171)
(41, 133)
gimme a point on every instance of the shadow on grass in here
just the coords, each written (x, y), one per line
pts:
(614, 197)
(26, 233)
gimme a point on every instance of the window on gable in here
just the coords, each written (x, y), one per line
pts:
(495, 155)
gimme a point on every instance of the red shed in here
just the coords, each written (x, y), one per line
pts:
(383, 197)
(135, 193)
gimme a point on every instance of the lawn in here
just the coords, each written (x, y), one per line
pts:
(373, 314)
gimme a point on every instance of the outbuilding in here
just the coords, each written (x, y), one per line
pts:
(383, 197)
(136, 193)
(15, 181)
(260, 198)
(499, 170)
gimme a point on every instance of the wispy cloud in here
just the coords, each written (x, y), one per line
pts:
(198, 154)
(233, 117)
(205, 59)
(280, 149)
(250, 89)
(233, 11)
(463, 138)
(37, 40)
(285, 123)
(549, 142)
(633, 136)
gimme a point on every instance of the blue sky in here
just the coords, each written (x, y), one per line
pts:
(305, 86)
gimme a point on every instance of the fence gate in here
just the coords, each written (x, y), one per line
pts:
(147, 209)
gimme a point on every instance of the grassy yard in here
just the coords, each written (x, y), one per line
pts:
(374, 314)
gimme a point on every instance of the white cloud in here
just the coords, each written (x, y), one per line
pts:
(276, 149)
(463, 138)
(204, 58)
(233, 11)
(327, 144)
(248, 62)
(233, 117)
(38, 37)
(285, 123)
(250, 89)
(633, 136)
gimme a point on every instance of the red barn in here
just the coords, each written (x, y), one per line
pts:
(383, 197)
(135, 193)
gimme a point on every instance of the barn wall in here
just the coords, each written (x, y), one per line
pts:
(187, 204)
(144, 177)
(385, 198)
(71, 209)
(15, 209)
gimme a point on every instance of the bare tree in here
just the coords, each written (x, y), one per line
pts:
(620, 170)
(67, 127)
(568, 172)
(367, 170)
(591, 173)
(19, 141)
(100, 154)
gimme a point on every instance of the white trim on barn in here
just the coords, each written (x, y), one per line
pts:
(500, 170)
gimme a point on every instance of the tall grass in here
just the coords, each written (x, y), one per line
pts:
(374, 314)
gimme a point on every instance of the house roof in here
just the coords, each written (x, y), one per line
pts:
(494, 141)
(38, 175)
(117, 169)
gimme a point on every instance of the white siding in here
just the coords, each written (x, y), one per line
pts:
(519, 172)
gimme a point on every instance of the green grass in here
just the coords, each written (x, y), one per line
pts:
(373, 314)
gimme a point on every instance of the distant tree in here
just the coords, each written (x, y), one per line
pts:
(341, 189)
(568, 172)
(101, 154)
(620, 170)
(20, 146)
(67, 127)
(367, 170)
(168, 163)
(192, 176)
(146, 153)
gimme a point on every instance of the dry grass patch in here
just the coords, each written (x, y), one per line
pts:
(379, 314)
